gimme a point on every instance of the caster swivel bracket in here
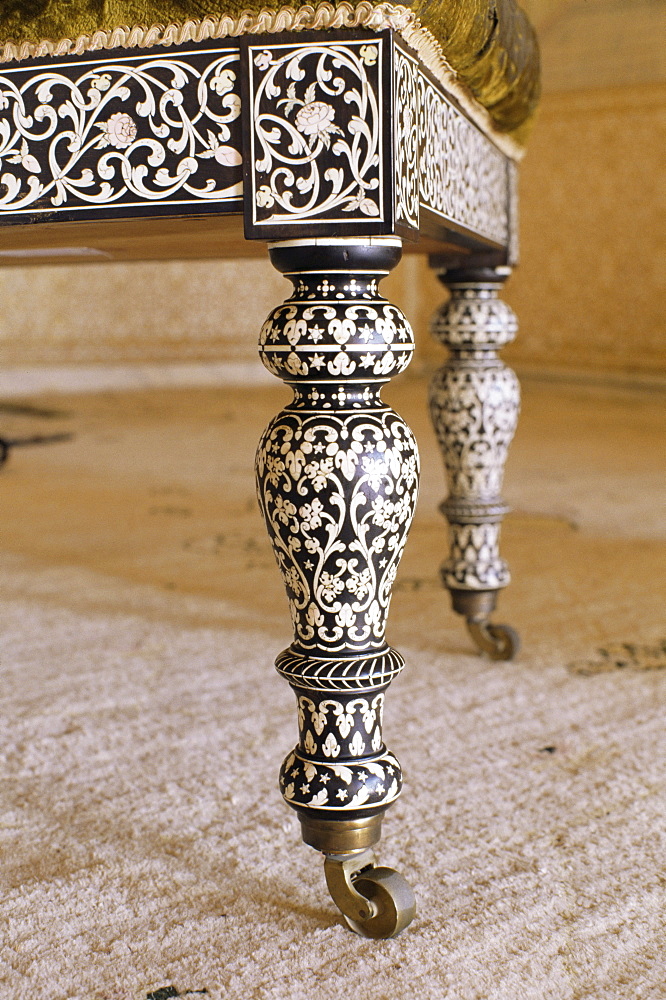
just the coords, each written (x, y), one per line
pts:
(499, 642)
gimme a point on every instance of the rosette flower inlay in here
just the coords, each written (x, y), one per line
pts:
(119, 131)
(316, 121)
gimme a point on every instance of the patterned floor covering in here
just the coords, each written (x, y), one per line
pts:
(145, 852)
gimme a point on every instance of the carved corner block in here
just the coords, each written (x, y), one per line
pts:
(317, 128)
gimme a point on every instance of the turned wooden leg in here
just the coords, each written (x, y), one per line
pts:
(337, 478)
(474, 404)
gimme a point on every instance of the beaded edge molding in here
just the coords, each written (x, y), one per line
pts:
(309, 17)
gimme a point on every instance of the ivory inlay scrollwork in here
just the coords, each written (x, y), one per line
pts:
(159, 129)
(406, 138)
(316, 125)
(463, 176)
(337, 480)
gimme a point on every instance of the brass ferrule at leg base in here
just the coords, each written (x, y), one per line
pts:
(474, 605)
(341, 836)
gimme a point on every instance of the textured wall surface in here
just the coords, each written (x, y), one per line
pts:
(135, 312)
(590, 289)
(589, 292)
(597, 43)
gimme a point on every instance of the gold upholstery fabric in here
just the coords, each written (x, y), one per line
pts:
(492, 46)
(489, 43)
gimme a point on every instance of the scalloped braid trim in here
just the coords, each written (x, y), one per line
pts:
(323, 15)
(308, 17)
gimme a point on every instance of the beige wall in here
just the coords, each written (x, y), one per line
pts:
(161, 311)
(589, 291)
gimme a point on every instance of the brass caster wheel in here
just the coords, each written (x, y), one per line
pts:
(376, 902)
(499, 642)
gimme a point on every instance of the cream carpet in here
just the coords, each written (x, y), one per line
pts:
(145, 852)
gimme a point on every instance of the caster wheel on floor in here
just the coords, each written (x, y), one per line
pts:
(376, 902)
(499, 642)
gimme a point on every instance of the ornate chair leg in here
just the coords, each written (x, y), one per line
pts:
(474, 404)
(337, 478)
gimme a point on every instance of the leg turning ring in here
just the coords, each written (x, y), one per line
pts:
(376, 902)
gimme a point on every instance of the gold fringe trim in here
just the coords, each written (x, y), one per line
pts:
(309, 17)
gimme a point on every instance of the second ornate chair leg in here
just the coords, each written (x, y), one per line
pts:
(474, 404)
(337, 475)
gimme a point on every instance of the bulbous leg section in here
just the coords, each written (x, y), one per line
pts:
(376, 902)
(474, 404)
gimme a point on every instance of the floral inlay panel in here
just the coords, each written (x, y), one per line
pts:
(406, 138)
(316, 131)
(89, 137)
(341, 131)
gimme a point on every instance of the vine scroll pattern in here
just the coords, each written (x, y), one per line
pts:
(406, 139)
(463, 177)
(164, 130)
(316, 131)
(341, 130)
